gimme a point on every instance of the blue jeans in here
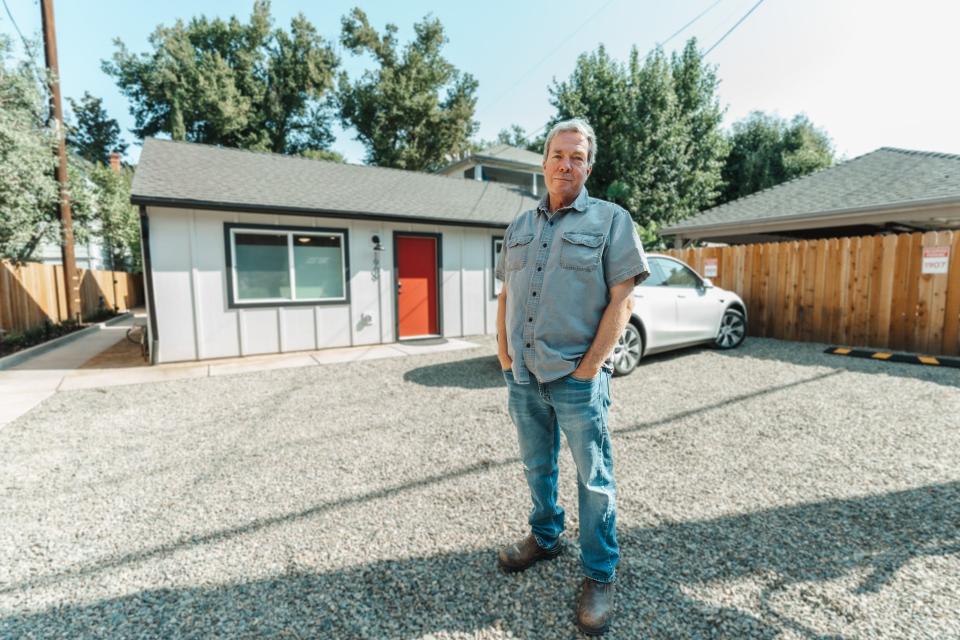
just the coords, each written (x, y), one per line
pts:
(579, 408)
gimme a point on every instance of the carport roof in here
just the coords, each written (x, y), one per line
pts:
(887, 178)
(190, 175)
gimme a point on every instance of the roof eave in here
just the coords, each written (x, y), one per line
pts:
(849, 214)
(490, 161)
(184, 203)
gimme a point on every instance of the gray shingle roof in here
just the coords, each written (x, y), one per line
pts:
(885, 178)
(188, 174)
(512, 154)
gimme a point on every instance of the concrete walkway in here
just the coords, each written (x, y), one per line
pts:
(76, 366)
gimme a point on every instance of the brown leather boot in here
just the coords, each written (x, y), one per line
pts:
(520, 556)
(595, 607)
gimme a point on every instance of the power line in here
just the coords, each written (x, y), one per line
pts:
(731, 29)
(26, 46)
(31, 58)
(683, 28)
(546, 57)
(659, 44)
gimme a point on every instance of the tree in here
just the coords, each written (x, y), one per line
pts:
(28, 191)
(95, 134)
(514, 135)
(232, 84)
(117, 222)
(324, 154)
(766, 150)
(657, 124)
(706, 147)
(416, 110)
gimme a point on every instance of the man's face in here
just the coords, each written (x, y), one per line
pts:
(565, 168)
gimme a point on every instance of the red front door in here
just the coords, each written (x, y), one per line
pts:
(417, 286)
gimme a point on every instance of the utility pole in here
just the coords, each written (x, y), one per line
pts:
(71, 281)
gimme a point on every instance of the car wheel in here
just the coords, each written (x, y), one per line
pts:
(628, 351)
(733, 329)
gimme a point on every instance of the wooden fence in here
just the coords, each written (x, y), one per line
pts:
(864, 291)
(34, 292)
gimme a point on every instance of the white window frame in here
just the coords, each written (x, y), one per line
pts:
(290, 265)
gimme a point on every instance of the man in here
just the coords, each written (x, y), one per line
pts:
(569, 268)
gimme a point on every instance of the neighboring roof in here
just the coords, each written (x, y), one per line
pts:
(887, 178)
(511, 154)
(202, 176)
(502, 155)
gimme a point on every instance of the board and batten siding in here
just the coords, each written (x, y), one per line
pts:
(194, 321)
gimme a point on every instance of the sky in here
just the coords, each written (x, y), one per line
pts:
(871, 73)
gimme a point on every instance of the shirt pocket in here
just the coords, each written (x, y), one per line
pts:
(581, 251)
(517, 251)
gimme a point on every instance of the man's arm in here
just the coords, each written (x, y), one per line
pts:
(614, 319)
(505, 361)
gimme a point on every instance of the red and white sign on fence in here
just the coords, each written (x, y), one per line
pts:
(935, 259)
(709, 267)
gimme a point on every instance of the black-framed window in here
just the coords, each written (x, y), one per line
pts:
(286, 265)
(496, 247)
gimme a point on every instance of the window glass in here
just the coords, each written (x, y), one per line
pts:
(677, 275)
(318, 265)
(263, 266)
(655, 279)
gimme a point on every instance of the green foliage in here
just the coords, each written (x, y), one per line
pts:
(514, 135)
(324, 154)
(415, 111)
(28, 191)
(19, 340)
(227, 83)
(649, 236)
(657, 122)
(95, 135)
(766, 150)
(117, 221)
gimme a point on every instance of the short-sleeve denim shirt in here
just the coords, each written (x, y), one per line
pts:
(557, 269)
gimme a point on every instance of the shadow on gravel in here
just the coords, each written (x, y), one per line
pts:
(809, 354)
(778, 550)
(476, 373)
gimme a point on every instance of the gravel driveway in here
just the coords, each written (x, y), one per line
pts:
(772, 491)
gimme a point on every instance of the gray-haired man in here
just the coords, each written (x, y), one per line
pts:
(569, 268)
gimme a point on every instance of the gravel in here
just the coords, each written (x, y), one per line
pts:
(770, 491)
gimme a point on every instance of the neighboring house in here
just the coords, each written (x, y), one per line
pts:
(888, 190)
(501, 163)
(248, 252)
(89, 255)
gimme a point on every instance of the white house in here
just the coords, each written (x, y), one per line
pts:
(504, 164)
(249, 253)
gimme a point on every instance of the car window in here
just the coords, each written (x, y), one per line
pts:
(677, 275)
(655, 279)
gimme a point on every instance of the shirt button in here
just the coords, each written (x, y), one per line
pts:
(539, 268)
(534, 294)
(544, 245)
(528, 345)
(551, 223)
(529, 319)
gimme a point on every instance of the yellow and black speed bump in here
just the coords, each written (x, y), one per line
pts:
(886, 356)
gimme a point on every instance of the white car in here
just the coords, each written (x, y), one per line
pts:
(677, 307)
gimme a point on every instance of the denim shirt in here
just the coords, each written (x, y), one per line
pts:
(557, 270)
